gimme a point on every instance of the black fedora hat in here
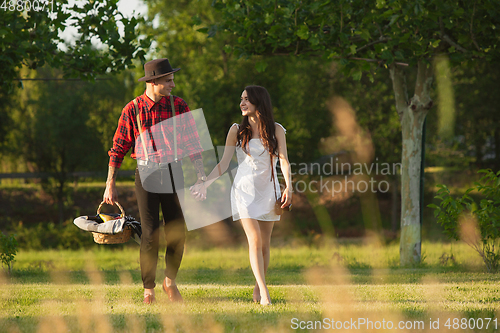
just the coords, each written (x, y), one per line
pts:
(157, 68)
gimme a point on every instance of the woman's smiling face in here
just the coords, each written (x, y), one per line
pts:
(246, 107)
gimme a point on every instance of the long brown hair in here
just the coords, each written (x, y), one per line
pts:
(259, 97)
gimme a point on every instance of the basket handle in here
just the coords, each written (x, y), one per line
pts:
(116, 203)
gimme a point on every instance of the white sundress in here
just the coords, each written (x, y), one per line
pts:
(253, 192)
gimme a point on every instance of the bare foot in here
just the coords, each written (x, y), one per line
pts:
(149, 292)
(169, 282)
(256, 293)
(170, 288)
(265, 299)
(149, 296)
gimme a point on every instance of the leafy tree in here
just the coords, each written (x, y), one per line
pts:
(31, 38)
(401, 36)
(65, 132)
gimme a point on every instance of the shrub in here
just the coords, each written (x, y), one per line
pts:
(454, 213)
(8, 250)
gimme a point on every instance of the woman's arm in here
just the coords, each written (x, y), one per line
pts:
(286, 197)
(221, 167)
(226, 157)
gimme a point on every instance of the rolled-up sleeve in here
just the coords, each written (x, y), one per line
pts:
(124, 137)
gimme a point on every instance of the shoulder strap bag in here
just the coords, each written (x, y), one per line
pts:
(277, 205)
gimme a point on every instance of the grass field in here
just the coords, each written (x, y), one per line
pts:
(101, 291)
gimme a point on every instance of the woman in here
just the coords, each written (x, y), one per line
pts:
(257, 140)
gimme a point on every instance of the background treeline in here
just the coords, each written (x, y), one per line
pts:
(66, 126)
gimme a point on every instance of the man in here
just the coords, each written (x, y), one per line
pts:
(140, 127)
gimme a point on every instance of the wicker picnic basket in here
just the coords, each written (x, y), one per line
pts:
(121, 237)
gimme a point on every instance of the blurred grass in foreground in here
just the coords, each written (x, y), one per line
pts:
(101, 290)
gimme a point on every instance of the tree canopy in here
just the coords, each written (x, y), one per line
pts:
(382, 31)
(31, 37)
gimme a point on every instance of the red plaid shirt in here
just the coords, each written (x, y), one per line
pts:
(159, 141)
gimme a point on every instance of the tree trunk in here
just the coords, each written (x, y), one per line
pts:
(410, 187)
(412, 113)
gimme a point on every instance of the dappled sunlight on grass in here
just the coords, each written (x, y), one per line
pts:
(341, 282)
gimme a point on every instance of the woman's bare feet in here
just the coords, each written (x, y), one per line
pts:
(265, 299)
(256, 293)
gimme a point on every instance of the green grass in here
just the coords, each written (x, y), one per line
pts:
(101, 290)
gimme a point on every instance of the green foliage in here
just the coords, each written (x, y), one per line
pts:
(375, 113)
(386, 31)
(48, 236)
(8, 250)
(32, 38)
(487, 213)
(450, 209)
(65, 132)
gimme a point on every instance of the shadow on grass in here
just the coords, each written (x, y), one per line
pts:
(243, 276)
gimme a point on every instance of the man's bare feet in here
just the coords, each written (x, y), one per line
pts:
(170, 288)
(169, 282)
(149, 296)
